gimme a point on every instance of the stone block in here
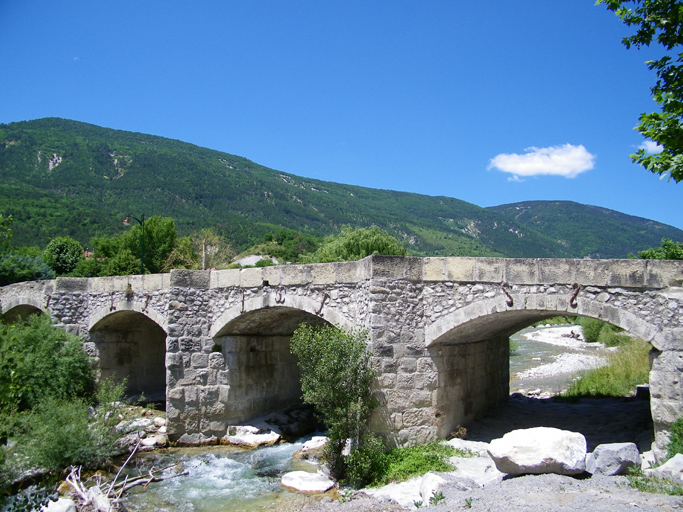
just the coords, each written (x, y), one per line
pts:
(174, 360)
(200, 360)
(556, 270)
(627, 273)
(396, 267)
(521, 271)
(225, 278)
(668, 361)
(460, 270)
(71, 284)
(434, 269)
(613, 459)
(251, 277)
(198, 279)
(664, 273)
(671, 339)
(489, 270)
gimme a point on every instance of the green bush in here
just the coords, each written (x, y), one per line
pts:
(335, 379)
(16, 268)
(404, 463)
(61, 432)
(591, 328)
(368, 462)
(355, 244)
(38, 361)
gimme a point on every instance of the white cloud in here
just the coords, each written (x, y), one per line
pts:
(651, 147)
(566, 160)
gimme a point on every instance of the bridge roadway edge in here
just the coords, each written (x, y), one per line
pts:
(423, 315)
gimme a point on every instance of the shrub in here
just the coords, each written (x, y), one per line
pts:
(368, 462)
(16, 268)
(591, 328)
(355, 244)
(60, 432)
(38, 361)
(335, 379)
(404, 463)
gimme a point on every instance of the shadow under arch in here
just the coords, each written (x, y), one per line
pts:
(263, 376)
(130, 344)
(20, 310)
(470, 350)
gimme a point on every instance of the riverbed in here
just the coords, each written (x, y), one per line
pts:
(222, 479)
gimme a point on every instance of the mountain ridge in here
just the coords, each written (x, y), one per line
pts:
(64, 177)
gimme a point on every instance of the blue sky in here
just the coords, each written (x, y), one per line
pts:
(489, 102)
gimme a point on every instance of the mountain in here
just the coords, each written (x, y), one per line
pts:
(589, 231)
(62, 177)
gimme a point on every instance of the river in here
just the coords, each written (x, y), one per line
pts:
(230, 479)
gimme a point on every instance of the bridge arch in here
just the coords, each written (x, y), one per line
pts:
(470, 349)
(262, 374)
(21, 308)
(130, 343)
(304, 305)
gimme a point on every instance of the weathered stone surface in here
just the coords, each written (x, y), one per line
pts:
(430, 484)
(249, 436)
(215, 344)
(312, 449)
(308, 483)
(540, 450)
(613, 459)
(673, 468)
(476, 471)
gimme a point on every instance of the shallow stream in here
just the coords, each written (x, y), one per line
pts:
(229, 479)
(221, 479)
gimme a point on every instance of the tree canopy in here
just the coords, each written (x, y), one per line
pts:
(354, 244)
(669, 250)
(62, 254)
(660, 21)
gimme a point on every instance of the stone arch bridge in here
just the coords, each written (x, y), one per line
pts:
(215, 344)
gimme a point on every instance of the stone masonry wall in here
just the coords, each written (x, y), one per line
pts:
(437, 327)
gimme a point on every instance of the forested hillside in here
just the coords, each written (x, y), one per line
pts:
(61, 177)
(589, 230)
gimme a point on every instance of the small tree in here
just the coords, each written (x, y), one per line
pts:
(62, 254)
(335, 378)
(354, 244)
(669, 250)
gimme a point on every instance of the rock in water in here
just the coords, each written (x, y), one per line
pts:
(540, 450)
(613, 459)
(309, 483)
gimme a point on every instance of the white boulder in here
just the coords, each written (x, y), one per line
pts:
(250, 436)
(61, 505)
(539, 450)
(613, 459)
(475, 471)
(672, 468)
(405, 493)
(309, 483)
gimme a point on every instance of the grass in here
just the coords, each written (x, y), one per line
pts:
(652, 484)
(628, 367)
(406, 462)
